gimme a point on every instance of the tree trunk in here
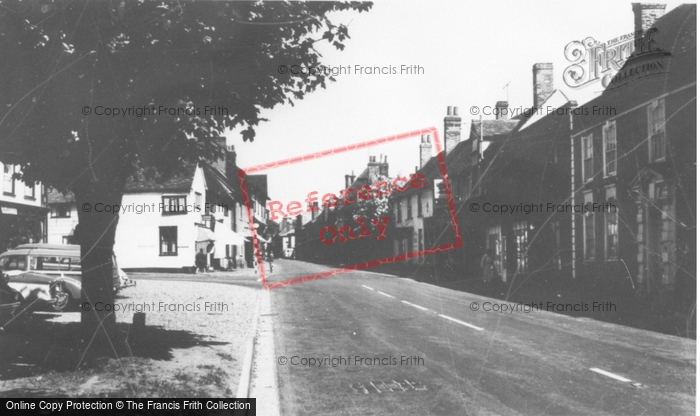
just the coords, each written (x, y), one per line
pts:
(95, 233)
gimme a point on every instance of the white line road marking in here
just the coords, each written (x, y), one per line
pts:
(415, 306)
(426, 309)
(460, 322)
(611, 375)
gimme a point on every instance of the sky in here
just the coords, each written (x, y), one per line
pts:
(468, 50)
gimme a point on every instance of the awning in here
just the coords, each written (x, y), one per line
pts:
(260, 239)
(205, 234)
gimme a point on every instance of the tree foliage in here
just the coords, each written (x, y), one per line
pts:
(66, 61)
(60, 56)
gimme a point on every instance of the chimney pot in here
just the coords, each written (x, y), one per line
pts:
(449, 110)
(454, 111)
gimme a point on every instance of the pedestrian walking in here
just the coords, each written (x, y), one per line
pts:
(487, 267)
(270, 256)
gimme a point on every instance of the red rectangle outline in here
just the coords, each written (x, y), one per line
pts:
(448, 191)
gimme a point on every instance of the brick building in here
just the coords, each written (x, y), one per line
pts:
(639, 155)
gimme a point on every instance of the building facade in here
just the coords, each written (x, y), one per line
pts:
(22, 210)
(634, 163)
(171, 232)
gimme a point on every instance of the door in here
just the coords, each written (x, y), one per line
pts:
(654, 257)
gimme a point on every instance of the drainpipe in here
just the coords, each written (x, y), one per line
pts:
(573, 194)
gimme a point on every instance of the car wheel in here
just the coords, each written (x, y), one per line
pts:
(61, 298)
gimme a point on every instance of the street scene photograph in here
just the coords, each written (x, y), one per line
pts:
(348, 208)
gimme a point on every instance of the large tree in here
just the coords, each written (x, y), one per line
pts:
(66, 62)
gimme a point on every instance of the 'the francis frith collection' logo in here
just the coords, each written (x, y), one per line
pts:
(593, 61)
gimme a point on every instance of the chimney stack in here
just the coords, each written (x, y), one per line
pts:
(373, 168)
(645, 15)
(453, 129)
(502, 110)
(384, 166)
(350, 179)
(314, 210)
(426, 148)
(542, 83)
(230, 168)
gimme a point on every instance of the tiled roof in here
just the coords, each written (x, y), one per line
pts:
(143, 181)
(139, 182)
(493, 127)
(218, 186)
(362, 179)
(227, 188)
(257, 184)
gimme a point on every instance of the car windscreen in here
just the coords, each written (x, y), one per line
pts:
(17, 262)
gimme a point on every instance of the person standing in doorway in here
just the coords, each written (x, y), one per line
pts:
(200, 261)
(487, 267)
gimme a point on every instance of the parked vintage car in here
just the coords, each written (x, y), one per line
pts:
(51, 273)
(10, 302)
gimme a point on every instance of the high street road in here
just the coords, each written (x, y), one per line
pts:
(369, 343)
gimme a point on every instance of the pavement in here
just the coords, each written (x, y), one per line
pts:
(366, 343)
(196, 333)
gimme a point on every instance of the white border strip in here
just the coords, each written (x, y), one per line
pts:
(367, 287)
(382, 293)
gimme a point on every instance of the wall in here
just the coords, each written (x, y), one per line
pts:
(137, 242)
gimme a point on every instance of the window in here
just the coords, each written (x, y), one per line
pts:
(420, 207)
(60, 210)
(520, 230)
(556, 233)
(588, 228)
(398, 212)
(657, 131)
(611, 224)
(198, 200)
(409, 208)
(168, 241)
(14, 263)
(233, 218)
(30, 191)
(45, 263)
(8, 186)
(610, 144)
(587, 156)
(174, 205)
